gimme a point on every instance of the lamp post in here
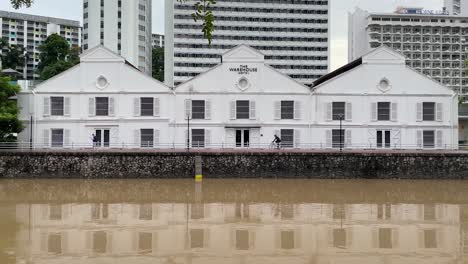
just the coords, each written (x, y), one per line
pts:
(188, 132)
(341, 132)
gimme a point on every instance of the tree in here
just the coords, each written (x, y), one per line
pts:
(56, 56)
(12, 56)
(202, 12)
(9, 123)
(158, 63)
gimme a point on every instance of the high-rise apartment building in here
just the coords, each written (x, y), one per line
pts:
(435, 45)
(123, 26)
(292, 34)
(30, 31)
(457, 7)
(158, 40)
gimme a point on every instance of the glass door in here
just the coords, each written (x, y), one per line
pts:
(242, 138)
(102, 138)
(383, 139)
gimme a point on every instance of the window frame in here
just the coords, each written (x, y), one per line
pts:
(147, 132)
(145, 108)
(58, 112)
(381, 109)
(55, 143)
(336, 108)
(287, 109)
(100, 104)
(425, 114)
(196, 109)
(242, 114)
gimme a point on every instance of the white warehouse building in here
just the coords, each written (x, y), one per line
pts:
(241, 103)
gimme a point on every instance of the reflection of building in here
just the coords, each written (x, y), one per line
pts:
(250, 233)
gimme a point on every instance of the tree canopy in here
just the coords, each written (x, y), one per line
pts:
(202, 12)
(56, 56)
(9, 123)
(158, 63)
(12, 56)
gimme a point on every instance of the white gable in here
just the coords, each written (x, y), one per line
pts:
(383, 55)
(100, 54)
(243, 53)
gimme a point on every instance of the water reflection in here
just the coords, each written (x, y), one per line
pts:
(237, 232)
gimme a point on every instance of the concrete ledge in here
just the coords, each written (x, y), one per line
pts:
(235, 164)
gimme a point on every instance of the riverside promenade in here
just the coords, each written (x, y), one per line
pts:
(287, 164)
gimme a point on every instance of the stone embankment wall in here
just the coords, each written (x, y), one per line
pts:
(325, 165)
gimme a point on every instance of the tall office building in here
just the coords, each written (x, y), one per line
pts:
(30, 31)
(435, 45)
(293, 35)
(123, 26)
(158, 40)
(457, 7)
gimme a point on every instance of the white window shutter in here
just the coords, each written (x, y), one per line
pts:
(297, 110)
(439, 139)
(329, 111)
(349, 112)
(188, 109)
(208, 109)
(137, 138)
(419, 112)
(66, 106)
(207, 138)
(137, 106)
(111, 106)
(297, 138)
(348, 138)
(374, 117)
(92, 106)
(66, 138)
(419, 138)
(233, 110)
(253, 110)
(157, 107)
(277, 109)
(328, 139)
(156, 137)
(394, 112)
(46, 106)
(46, 138)
(439, 112)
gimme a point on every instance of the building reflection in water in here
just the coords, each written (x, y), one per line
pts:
(242, 233)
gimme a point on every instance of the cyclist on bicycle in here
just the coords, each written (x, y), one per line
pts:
(277, 141)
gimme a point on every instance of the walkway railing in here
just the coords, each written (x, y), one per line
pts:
(25, 146)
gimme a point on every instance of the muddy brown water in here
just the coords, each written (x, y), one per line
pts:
(233, 221)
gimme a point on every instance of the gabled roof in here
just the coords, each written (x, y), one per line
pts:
(101, 53)
(337, 72)
(243, 53)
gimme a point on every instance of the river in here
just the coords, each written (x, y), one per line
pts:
(233, 221)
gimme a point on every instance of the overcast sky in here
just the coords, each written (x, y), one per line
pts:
(72, 9)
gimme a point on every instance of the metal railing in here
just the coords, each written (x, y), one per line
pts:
(155, 146)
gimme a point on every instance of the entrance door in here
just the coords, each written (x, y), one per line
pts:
(242, 138)
(103, 138)
(383, 139)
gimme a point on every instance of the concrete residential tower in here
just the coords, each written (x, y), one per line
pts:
(31, 31)
(123, 26)
(457, 7)
(293, 35)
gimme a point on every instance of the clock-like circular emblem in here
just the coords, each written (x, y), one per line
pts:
(243, 84)
(102, 82)
(384, 85)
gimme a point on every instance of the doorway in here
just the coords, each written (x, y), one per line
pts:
(102, 138)
(383, 139)
(243, 138)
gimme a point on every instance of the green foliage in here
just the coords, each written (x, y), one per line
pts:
(56, 56)
(12, 56)
(158, 64)
(9, 123)
(21, 3)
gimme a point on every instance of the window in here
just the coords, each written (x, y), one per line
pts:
(287, 109)
(198, 109)
(385, 238)
(339, 238)
(287, 239)
(57, 138)
(102, 106)
(287, 211)
(57, 106)
(428, 139)
(100, 242)
(147, 106)
(197, 211)
(287, 138)
(198, 138)
(383, 111)
(146, 212)
(145, 242)
(55, 243)
(243, 109)
(197, 238)
(384, 211)
(338, 138)
(99, 211)
(338, 110)
(242, 239)
(147, 138)
(55, 212)
(429, 212)
(430, 238)
(428, 111)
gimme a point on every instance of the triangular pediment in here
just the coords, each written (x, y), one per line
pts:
(383, 55)
(100, 54)
(243, 53)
